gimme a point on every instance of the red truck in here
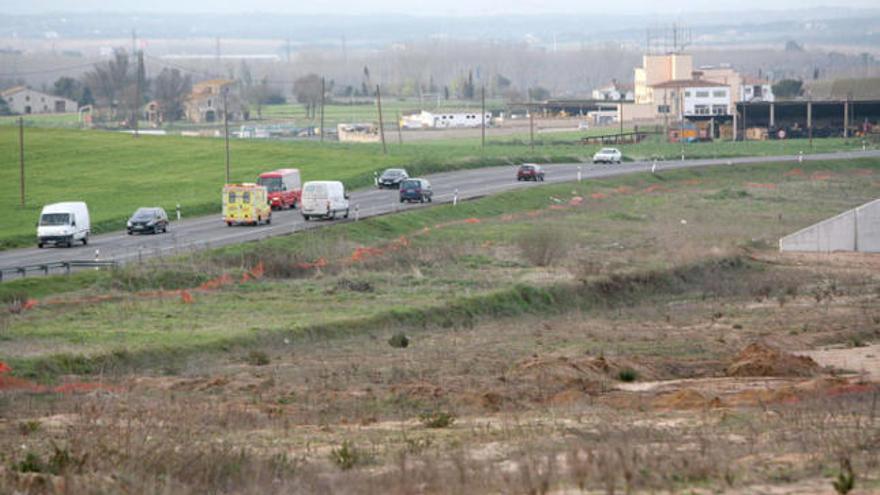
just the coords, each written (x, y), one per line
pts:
(284, 186)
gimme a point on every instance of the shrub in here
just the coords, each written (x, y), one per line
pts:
(544, 245)
(437, 419)
(399, 341)
(258, 358)
(346, 456)
(628, 375)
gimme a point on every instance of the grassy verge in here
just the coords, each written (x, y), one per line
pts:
(447, 275)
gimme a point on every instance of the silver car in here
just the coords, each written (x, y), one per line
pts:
(608, 155)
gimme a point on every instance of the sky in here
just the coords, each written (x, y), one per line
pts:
(417, 7)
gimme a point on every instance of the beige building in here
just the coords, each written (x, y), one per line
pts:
(25, 101)
(658, 69)
(206, 102)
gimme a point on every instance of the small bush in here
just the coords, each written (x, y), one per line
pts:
(28, 427)
(399, 341)
(628, 375)
(346, 456)
(846, 478)
(437, 419)
(544, 245)
(31, 464)
(258, 358)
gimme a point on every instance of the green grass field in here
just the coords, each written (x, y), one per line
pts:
(117, 173)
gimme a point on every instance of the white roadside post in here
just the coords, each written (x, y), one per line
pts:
(579, 173)
(376, 179)
(864, 145)
(97, 257)
(654, 167)
(455, 197)
(178, 212)
(801, 157)
(357, 212)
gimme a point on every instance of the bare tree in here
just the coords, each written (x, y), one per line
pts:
(170, 90)
(109, 81)
(307, 90)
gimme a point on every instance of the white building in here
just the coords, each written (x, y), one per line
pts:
(614, 92)
(755, 90)
(711, 99)
(25, 101)
(445, 120)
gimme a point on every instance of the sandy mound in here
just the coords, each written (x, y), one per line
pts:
(761, 360)
(685, 399)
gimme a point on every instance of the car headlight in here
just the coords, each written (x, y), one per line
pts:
(128, 223)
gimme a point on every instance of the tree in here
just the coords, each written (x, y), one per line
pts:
(67, 87)
(109, 80)
(86, 98)
(538, 93)
(170, 90)
(788, 88)
(307, 90)
(4, 107)
(467, 89)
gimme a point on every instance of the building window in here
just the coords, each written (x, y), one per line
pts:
(687, 93)
(27, 98)
(702, 94)
(719, 110)
(663, 109)
(719, 94)
(701, 109)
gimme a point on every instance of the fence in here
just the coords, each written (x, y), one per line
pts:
(46, 268)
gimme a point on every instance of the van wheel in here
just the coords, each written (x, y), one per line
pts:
(305, 218)
(346, 213)
(40, 245)
(430, 199)
(85, 240)
(229, 224)
(269, 221)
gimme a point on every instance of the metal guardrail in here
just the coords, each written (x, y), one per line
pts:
(66, 266)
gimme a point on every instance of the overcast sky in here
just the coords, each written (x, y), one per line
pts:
(417, 7)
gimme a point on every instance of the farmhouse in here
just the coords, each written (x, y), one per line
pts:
(444, 120)
(26, 101)
(206, 102)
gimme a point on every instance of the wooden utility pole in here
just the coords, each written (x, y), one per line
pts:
(620, 117)
(483, 117)
(745, 116)
(810, 121)
(531, 126)
(399, 131)
(322, 109)
(381, 122)
(21, 157)
(136, 108)
(226, 131)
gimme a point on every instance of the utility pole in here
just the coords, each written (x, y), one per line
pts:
(531, 125)
(138, 90)
(323, 91)
(483, 117)
(21, 157)
(226, 131)
(399, 131)
(381, 122)
(287, 50)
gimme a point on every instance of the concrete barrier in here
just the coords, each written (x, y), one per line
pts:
(854, 230)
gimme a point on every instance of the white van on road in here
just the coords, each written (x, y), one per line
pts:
(325, 199)
(64, 224)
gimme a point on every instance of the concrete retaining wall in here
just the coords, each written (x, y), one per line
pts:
(855, 230)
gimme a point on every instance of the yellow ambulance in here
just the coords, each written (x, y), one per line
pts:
(246, 203)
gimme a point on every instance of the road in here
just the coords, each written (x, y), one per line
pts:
(210, 231)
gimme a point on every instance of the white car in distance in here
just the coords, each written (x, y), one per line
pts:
(608, 155)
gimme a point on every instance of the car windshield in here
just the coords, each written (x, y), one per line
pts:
(410, 184)
(273, 184)
(392, 172)
(50, 219)
(315, 191)
(144, 214)
(527, 168)
(608, 150)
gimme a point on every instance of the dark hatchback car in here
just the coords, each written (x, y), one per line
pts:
(530, 171)
(392, 178)
(416, 190)
(148, 220)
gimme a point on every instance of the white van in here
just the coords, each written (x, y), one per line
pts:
(64, 224)
(324, 198)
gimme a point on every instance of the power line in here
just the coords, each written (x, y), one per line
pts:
(46, 71)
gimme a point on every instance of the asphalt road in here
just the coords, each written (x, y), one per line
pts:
(210, 231)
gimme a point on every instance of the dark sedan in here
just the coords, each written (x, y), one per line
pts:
(148, 221)
(418, 190)
(392, 178)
